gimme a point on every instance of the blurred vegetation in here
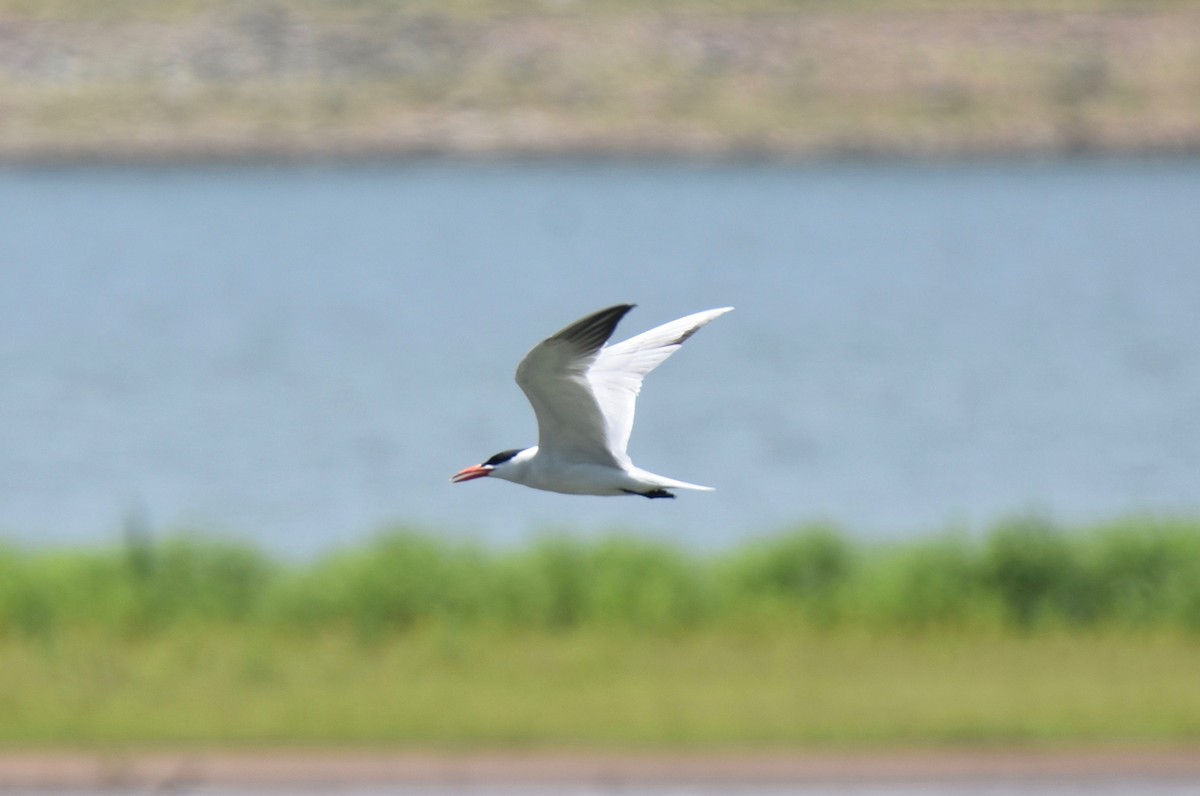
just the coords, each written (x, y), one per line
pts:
(1024, 575)
(1029, 632)
(792, 78)
(455, 688)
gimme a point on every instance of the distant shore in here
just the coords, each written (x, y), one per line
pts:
(333, 768)
(240, 80)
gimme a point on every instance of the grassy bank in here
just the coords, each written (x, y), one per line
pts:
(1023, 575)
(1027, 633)
(449, 688)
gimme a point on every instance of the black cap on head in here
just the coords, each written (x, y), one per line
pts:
(502, 457)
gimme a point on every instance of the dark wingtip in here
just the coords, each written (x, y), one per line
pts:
(593, 331)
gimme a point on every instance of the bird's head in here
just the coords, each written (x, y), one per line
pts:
(498, 465)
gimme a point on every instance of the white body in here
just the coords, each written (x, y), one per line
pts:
(535, 469)
(584, 396)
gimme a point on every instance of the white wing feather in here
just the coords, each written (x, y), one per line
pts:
(554, 377)
(585, 396)
(617, 373)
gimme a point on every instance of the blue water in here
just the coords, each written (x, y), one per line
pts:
(299, 357)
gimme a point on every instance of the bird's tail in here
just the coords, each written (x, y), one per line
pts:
(695, 487)
(662, 482)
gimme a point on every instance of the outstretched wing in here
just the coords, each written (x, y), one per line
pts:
(617, 373)
(554, 377)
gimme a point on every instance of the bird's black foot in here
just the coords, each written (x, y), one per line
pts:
(653, 493)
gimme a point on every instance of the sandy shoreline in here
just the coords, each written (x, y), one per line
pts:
(333, 768)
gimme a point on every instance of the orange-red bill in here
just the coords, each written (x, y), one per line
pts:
(471, 473)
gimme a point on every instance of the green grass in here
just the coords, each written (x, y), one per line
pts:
(457, 689)
(1023, 575)
(1028, 633)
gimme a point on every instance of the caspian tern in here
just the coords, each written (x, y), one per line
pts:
(583, 395)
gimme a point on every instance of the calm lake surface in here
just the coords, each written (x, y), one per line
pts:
(300, 356)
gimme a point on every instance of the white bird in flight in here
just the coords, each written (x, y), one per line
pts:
(583, 395)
